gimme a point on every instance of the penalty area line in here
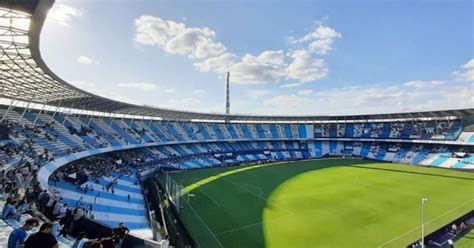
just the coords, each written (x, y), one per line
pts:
(251, 225)
(263, 198)
(208, 196)
(205, 225)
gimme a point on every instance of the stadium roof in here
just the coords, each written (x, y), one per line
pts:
(25, 77)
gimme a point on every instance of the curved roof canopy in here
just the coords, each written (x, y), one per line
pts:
(25, 77)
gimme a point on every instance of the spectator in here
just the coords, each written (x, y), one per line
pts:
(454, 228)
(96, 244)
(59, 208)
(62, 210)
(110, 242)
(121, 232)
(67, 220)
(43, 238)
(43, 196)
(462, 226)
(9, 210)
(56, 229)
(76, 224)
(43, 199)
(51, 203)
(26, 206)
(18, 236)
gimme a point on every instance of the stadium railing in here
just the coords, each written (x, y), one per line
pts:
(165, 214)
(95, 230)
(440, 237)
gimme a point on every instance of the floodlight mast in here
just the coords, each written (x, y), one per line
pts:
(227, 97)
(423, 201)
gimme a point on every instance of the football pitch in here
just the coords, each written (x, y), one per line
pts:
(320, 203)
(467, 241)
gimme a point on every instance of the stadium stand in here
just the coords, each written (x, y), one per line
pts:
(76, 152)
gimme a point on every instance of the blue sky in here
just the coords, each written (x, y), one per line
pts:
(285, 57)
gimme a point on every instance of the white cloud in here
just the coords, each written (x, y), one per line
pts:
(191, 100)
(199, 91)
(219, 64)
(176, 38)
(453, 98)
(305, 92)
(337, 101)
(276, 58)
(423, 84)
(256, 94)
(63, 14)
(466, 76)
(255, 73)
(467, 73)
(320, 40)
(368, 100)
(285, 104)
(372, 97)
(93, 88)
(86, 60)
(469, 64)
(270, 66)
(305, 68)
(170, 90)
(291, 85)
(138, 86)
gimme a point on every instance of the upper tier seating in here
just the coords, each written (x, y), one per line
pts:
(112, 191)
(419, 130)
(36, 138)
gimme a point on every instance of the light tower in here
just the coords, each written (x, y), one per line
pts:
(227, 98)
(423, 202)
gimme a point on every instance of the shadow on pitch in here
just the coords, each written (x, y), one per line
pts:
(241, 214)
(230, 211)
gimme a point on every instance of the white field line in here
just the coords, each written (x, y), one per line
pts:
(253, 193)
(208, 229)
(418, 227)
(251, 225)
(357, 180)
(260, 192)
(208, 196)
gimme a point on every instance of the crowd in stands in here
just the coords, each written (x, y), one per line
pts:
(32, 146)
(59, 223)
(33, 235)
(439, 130)
(25, 144)
(24, 198)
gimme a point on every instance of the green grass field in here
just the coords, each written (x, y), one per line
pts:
(467, 241)
(320, 203)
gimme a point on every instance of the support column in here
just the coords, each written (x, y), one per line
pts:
(24, 111)
(8, 109)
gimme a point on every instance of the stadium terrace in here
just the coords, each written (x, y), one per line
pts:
(87, 163)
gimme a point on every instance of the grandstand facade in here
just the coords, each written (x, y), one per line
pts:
(53, 126)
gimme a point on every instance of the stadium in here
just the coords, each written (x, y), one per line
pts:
(87, 164)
